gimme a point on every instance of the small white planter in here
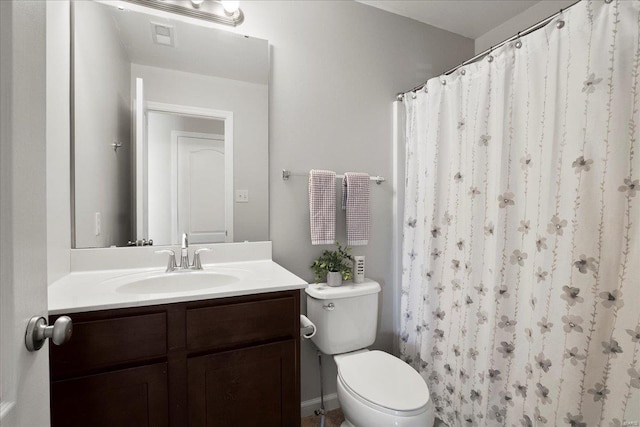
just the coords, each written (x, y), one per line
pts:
(334, 278)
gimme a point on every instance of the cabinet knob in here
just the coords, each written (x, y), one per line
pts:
(38, 331)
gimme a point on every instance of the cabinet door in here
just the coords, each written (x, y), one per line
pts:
(248, 387)
(129, 397)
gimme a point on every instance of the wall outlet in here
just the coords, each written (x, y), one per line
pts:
(98, 223)
(242, 196)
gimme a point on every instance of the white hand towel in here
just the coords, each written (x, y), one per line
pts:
(355, 200)
(322, 207)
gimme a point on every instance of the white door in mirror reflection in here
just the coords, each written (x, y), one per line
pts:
(202, 182)
(190, 174)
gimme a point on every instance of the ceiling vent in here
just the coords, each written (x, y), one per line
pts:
(162, 34)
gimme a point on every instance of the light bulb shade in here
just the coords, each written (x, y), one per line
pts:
(208, 10)
(230, 6)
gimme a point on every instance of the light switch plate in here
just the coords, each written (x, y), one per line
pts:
(242, 196)
(98, 223)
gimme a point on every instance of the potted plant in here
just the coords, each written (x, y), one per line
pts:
(334, 266)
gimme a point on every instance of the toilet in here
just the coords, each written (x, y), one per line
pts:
(375, 389)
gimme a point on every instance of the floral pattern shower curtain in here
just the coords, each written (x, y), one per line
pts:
(521, 256)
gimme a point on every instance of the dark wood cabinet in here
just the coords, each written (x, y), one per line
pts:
(127, 397)
(248, 397)
(222, 362)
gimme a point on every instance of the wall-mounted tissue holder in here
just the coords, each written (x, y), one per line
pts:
(306, 324)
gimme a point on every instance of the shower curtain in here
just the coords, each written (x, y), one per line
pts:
(521, 257)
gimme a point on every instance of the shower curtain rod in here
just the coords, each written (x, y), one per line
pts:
(484, 53)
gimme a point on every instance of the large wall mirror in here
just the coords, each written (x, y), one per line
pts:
(170, 129)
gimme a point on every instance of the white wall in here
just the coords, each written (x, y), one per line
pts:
(522, 21)
(58, 147)
(103, 114)
(249, 103)
(160, 126)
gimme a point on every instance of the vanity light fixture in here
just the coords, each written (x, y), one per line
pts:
(230, 6)
(220, 12)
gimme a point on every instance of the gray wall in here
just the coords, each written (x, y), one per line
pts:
(103, 114)
(336, 67)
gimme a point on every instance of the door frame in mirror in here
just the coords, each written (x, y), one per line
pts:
(207, 113)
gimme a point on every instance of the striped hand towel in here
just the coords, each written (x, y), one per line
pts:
(322, 207)
(355, 200)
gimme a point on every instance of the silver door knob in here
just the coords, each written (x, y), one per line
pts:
(38, 331)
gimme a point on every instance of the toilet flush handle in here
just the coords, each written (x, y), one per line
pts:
(331, 306)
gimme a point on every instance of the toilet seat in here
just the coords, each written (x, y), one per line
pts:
(385, 382)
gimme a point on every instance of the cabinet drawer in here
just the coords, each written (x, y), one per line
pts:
(241, 323)
(99, 344)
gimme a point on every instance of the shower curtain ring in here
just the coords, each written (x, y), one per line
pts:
(560, 21)
(518, 42)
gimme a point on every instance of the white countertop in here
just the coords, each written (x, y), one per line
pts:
(97, 290)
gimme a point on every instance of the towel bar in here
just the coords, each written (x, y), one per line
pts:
(286, 174)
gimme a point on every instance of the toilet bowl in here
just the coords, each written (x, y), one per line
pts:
(376, 389)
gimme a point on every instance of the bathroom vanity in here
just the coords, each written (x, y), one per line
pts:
(212, 347)
(226, 355)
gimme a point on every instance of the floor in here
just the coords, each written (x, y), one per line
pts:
(332, 419)
(335, 418)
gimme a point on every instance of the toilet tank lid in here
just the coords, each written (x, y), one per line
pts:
(347, 290)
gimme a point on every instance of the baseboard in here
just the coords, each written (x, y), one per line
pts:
(309, 406)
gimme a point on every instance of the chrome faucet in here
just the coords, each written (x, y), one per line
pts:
(184, 257)
(171, 265)
(184, 254)
(197, 264)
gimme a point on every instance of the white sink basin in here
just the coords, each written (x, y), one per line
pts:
(108, 289)
(162, 283)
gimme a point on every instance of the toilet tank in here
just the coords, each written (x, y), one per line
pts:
(346, 317)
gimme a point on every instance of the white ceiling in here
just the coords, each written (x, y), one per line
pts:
(197, 49)
(470, 18)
